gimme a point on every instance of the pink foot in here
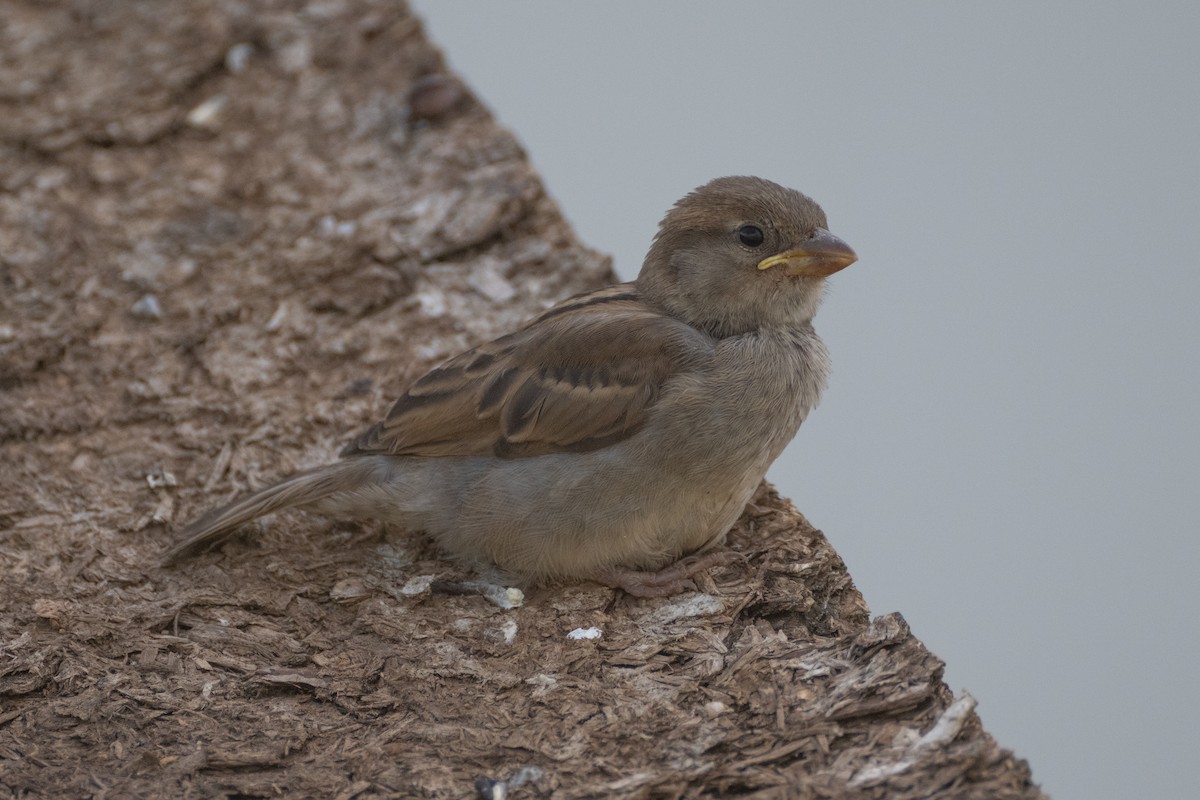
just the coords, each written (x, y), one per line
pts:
(669, 580)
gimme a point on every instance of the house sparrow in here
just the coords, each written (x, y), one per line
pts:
(618, 436)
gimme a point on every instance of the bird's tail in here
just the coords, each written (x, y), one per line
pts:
(299, 490)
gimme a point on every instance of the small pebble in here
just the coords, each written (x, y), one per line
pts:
(238, 57)
(329, 226)
(433, 95)
(505, 597)
(147, 307)
(205, 115)
(349, 590)
(161, 479)
(418, 585)
(277, 319)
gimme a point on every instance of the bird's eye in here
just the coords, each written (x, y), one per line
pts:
(750, 235)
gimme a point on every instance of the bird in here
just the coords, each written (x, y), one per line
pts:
(617, 436)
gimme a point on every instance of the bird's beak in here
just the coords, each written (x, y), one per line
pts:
(819, 256)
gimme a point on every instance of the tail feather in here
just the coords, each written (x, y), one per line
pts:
(299, 490)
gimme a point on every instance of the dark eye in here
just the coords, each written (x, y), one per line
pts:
(750, 235)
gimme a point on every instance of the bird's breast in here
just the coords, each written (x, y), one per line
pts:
(747, 404)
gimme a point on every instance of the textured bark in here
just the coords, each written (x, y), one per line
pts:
(227, 237)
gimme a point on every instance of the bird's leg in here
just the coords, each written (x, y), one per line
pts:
(669, 580)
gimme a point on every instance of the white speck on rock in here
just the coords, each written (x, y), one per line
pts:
(161, 479)
(585, 633)
(715, 708)
(238, 56)
(417, 585)
(433, 303)
(487, 279)
(328, 226)
(276, 320)
(147, 307)
(206, 116)
(183, 269)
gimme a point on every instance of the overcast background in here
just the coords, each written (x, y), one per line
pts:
(1007, 453)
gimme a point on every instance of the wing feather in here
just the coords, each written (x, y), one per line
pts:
(582, 376)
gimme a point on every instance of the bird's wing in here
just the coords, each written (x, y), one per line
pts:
(583, 375)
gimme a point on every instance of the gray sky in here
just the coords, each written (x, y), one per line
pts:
(1008, 451)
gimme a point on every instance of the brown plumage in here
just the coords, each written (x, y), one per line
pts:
(618, 432)
(582, 375)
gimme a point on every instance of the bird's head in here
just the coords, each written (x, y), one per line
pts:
(741, 253)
